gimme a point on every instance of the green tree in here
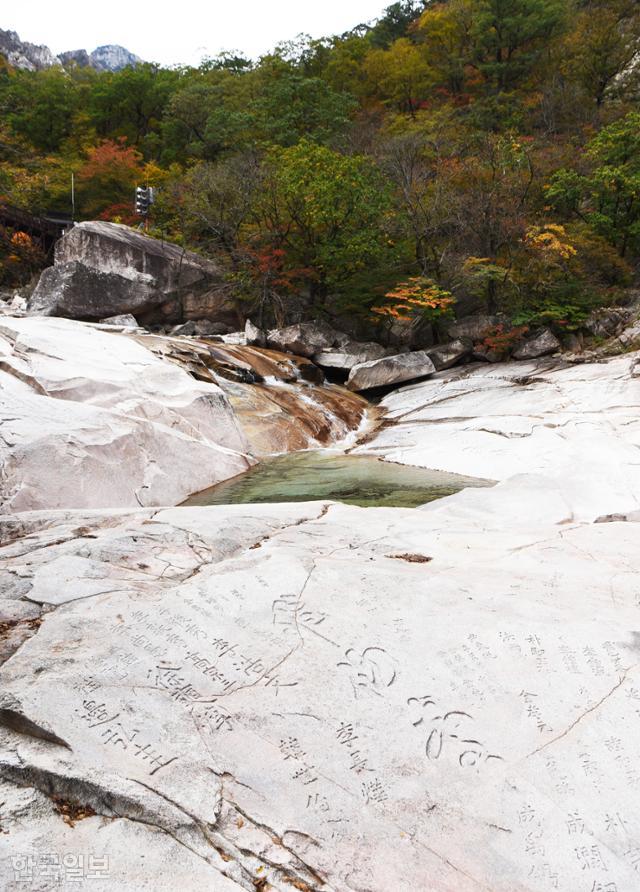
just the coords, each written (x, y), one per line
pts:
(328, 211)
(607, 195)
(510, 36)
(41, 106)
(395, 22)
(131, 103)
(599, 50)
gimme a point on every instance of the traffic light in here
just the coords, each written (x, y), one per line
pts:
(144, 199)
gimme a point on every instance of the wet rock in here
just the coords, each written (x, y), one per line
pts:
(542, 344)
(390, 370)
(444, 356)
(126, 321)
(105, 269)
(305, 338)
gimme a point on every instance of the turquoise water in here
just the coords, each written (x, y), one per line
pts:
(354, 479)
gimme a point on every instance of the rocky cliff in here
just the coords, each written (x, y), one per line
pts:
(31, 57)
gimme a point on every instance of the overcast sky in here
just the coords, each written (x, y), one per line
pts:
(182, 31)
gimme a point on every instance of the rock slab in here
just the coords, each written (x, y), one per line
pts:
(390, 370)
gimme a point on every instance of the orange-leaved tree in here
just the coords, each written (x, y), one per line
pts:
(417, 298)
(109, 176)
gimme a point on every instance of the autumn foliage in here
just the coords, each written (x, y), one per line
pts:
(467, 154)
(416, 298)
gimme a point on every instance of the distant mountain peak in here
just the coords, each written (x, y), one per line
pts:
(31, 57)
(112, 57)
(21, 54)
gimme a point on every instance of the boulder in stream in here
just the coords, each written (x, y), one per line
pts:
(444, 356)
(305, 338)
(391, 370)
(349, 355)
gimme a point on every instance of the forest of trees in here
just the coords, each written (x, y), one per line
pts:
(484, 153)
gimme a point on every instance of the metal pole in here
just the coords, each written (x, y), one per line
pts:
(73, 197)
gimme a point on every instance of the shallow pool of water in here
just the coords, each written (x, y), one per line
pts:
(355, 479)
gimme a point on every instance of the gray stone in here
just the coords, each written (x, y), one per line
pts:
(390, 370)
(573, 342)
(105, 269)
(629, 339)
(200, 328)
(541, 344)
(474, 327)
(78, 291)
(349, 355)
(254, 336)
(303, 339)
(444, 356)
(187, 329)
(607, 322)
(126, 320)
(206, 328)
(486, 355)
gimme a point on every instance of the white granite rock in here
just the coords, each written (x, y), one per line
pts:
(576, 425)
(89, 418)
(541, 344)
(390, 370)
(323, 697)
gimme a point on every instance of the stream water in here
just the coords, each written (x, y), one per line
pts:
(318, 475)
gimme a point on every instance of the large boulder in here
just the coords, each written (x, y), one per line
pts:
(105, 269)
(444, 356)
(391, 370)
(607, 322)
(410, 334)
(305, 338)
(351, 354)
(91, 418)
(541, 344)
(476, 328)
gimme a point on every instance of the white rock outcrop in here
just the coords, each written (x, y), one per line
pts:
(89, 418)
(324, 697)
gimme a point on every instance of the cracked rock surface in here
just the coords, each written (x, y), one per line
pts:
(323, 697)
(95, 419)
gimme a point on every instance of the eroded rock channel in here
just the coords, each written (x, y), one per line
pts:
(314, 696)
